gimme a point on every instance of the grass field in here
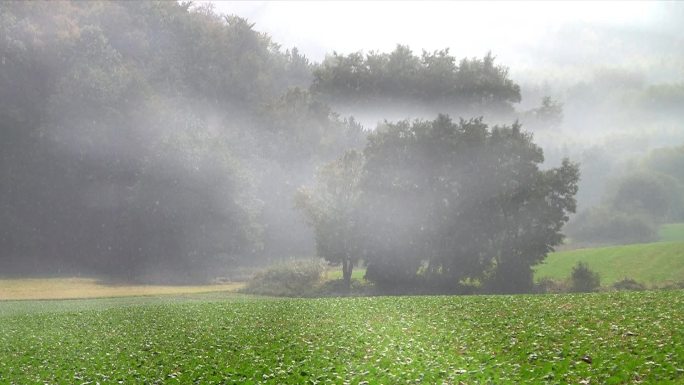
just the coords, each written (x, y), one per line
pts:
(655, 264)
(649, 263)
(218, 338)
(60, 288)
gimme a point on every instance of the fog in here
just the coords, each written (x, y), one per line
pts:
(608, 63)
(168, 142)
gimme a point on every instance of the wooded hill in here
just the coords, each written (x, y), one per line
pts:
(160, 141)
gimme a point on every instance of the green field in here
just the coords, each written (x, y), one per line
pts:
(609, 338)
(654, 264)
(649, 263)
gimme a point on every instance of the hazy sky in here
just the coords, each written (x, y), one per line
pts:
(554, 37)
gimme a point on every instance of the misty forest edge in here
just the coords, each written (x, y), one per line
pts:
(156, 141)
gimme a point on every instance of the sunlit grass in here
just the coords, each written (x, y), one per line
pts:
(62, 288)
(654, 264)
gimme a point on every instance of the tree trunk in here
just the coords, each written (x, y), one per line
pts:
(347, 266)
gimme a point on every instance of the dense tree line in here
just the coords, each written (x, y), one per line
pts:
(470, 85)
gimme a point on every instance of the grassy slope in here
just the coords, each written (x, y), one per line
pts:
(630, 337)
(651, 263)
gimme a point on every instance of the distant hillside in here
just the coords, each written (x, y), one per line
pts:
(650, 263)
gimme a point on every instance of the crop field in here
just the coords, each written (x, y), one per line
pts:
(609, 338)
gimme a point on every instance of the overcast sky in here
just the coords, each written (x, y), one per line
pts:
(571, 38)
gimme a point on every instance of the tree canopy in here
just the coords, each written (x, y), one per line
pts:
(133, 132)
(439, 203)
(438, 77)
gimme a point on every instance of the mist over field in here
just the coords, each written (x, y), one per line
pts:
(186, 142)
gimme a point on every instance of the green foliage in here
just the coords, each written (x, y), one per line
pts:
(401, 75)
(459, 201)
(300, 128)
(583, 279)
(136, 135)
(214, 339)
(331, 208)
(294, 279)
(294, 136)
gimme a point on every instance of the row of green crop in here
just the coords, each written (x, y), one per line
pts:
(596, 338)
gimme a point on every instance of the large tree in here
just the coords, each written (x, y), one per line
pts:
(442, 202)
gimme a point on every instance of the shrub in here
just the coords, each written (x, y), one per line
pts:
(296, 278)
(550, 285)
(583, 279)
(628, 284)
(337, 287)
(672, 285)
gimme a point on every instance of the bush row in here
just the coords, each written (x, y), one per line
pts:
(308, 278)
